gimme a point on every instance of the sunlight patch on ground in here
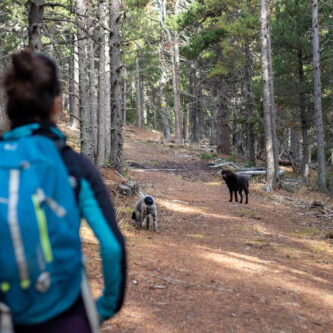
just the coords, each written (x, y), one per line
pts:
(261, 229)
(199, 236)
(138, 318)
(309, 245)
(321, 246)
(275, 276)
(87, 234)
(213, 184)
(188, 209)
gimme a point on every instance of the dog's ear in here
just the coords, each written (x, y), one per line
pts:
(133, 216)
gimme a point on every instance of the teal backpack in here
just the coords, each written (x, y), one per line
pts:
(40, 248)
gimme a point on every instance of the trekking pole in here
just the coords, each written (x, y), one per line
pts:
(6, 325)
(88, 301)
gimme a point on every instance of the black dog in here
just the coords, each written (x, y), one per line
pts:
(236, 183)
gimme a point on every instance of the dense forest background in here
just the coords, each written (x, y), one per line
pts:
(253, 78)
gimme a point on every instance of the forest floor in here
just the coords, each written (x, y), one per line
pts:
(216, 266)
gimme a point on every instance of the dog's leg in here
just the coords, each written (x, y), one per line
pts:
(144, 222)
(246, 196)
(137, 220)
(236, 197)
(241, 195)
(155, 221)
(148, 222)
(230, 190)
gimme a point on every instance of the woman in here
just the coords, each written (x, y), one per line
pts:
(32, 90)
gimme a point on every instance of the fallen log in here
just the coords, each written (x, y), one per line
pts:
(220, 165)
(257, 172)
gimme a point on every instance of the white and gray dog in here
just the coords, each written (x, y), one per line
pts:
(145, 208)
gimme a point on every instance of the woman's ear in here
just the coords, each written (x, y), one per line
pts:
(56, 108)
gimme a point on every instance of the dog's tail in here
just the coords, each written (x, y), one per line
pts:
(148, 200)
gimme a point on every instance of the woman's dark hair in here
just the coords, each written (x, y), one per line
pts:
(31, 84)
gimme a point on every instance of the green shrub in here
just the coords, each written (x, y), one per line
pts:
(207, 156)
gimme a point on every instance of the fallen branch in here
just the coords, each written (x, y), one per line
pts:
(220, 165)
(258, 172)
(118, 174)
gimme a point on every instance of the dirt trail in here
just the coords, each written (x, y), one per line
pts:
(217, 266)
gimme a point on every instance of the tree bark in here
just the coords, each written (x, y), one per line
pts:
(213, 134)
(264, 26)
(143, 100)
(154, 102)
(198, 94)
(75, 112)
(177, 78)
(272, 105)
(304, 119)
(36, 13)
(194, 138)
(87, 144)
(102, 90)
(185, 115)
(138, 93)
(331, 129)
(164, 112)
(249, 103)
(317, 100)
(125, 98)
(92, 89)
(71, 84)
(222, 123)
(116, 101)
(108, 96)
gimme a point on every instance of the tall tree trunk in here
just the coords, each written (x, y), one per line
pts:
(304, 119)
(317, 100)
(71, 84)
(222, 123)
(213, 134)
(249, 103)
(199, 112)
(331, 84)
(294, 144)
(36, 12)
(75, 112)
(185, 115)
(164, 112)
(125, 98)
(177, 78)
(154, 102)
(116, 101)
(138, 93)
(264, 26)
(92, 93)
(194, 138)
(87, 144)
(102, 91)
(143, 101)
(108, 96)
(272, 105)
